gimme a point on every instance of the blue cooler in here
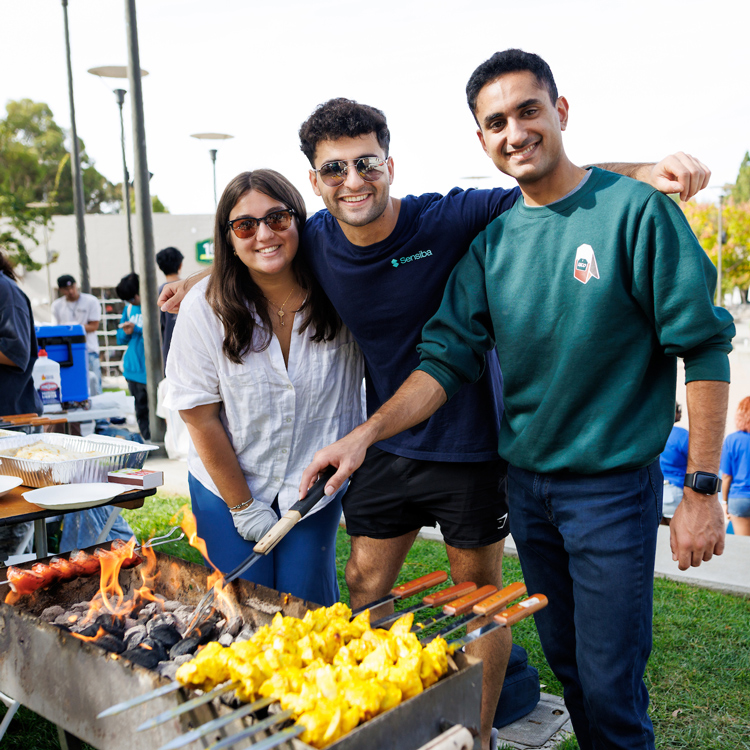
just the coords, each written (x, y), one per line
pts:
(67, 346)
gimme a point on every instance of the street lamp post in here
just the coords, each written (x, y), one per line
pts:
(121, 71)
(120, 94)
(212, 153)
(145, 230)
(75, 168)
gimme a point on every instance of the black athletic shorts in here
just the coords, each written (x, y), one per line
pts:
(391, 495)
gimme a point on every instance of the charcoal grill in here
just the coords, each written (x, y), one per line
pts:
(69, 681)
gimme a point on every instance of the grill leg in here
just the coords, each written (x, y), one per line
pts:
(13, 706)
(68, 741)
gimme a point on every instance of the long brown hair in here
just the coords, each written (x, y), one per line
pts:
(231, 290)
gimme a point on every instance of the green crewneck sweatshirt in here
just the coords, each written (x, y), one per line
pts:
(590, 301)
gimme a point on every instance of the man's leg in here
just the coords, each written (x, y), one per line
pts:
(484, 566)
(373, 567)
(95, 368)
(608, 525)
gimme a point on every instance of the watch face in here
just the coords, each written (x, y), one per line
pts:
(705, 483)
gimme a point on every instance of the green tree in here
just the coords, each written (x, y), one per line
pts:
(35, 168)
(741, 189)
(704, 220)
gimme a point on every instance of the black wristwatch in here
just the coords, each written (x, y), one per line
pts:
(703, 482)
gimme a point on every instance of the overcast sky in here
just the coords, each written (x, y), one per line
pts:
(643, 78)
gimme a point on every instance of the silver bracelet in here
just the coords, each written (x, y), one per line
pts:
(242, 505)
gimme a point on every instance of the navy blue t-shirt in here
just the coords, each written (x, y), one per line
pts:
(386, 292)
(18, 343)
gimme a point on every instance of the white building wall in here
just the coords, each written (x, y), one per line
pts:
(107, 250)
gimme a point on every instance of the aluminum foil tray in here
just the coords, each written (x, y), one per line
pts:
(113, 454)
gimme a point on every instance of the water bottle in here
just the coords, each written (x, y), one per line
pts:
(46, 375)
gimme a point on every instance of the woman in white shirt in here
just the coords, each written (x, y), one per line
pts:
(262, 372)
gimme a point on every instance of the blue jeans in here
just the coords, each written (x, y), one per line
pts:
(303, 563)
(82, 529)
(588, 543)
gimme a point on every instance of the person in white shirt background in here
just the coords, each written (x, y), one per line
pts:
(261, 368)
(76, 307)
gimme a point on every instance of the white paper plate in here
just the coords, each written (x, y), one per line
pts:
(73, 496)
(8, 483)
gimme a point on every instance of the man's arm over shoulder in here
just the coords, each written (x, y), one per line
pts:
(174, 292)
(676, 173)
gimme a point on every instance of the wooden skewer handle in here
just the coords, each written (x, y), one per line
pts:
(517, 612)
(449, 594)
(419, 584)
(500, 599)
(465, 603)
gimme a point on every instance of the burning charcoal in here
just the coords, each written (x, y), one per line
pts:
(142, 657)
(67, 619)
(166, 634)
(171, 605)
(158, 648)
(89, 631)
(185, 647)
(111, 624)
(161, 619)
(233, 626)
(130, 623)
(245, 634)
(135, 635)
(52, 613)
(226, 640)
(182, 659)
(204, 632)
(110, 643)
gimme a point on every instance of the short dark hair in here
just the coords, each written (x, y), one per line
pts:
(169, 260)
(65, 280)
(128, 287)
(509, 61)
(342, 118)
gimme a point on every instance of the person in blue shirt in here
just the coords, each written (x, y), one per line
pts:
(673, 462)
(130, 332)
(735, 471)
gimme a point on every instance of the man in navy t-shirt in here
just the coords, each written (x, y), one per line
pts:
(384, 263)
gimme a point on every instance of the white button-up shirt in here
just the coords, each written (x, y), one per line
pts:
(276, 418)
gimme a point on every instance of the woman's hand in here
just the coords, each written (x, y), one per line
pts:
(255, 521)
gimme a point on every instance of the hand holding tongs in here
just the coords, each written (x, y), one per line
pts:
(283, 526)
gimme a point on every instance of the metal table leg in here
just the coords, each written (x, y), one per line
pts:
(40, 538)
(13, 706)
(108, 526)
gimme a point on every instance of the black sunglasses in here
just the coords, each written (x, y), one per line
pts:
(369, 168)
(276, 221)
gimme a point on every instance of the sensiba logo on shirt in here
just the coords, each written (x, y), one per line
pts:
(396, 262)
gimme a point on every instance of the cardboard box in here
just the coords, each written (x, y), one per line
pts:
(137, 477)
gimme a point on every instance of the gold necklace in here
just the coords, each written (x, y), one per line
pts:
(280, 312)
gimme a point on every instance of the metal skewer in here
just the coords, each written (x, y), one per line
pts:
(172, 713)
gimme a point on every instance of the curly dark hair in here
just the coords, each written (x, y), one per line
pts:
(342, 118)
(128, 287)
(231, 289)
(509, 61)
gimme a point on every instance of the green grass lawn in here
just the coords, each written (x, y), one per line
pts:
(698, 674)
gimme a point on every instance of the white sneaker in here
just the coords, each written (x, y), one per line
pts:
(493, 739)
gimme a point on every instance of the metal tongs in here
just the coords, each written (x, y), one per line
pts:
(285, 524)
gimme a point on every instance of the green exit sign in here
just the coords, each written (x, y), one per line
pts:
(204, 251)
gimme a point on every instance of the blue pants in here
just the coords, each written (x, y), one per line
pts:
(588, 543)
(303, 563)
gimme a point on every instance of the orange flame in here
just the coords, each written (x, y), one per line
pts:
(99, 634)
(190, 526)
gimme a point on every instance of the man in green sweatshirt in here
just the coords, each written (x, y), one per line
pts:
(590, 287)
